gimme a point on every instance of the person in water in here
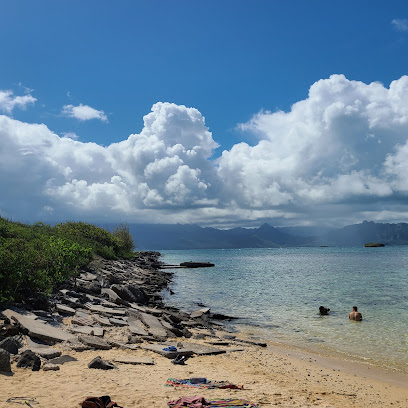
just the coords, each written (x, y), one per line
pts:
(324, 311)
(355, 314)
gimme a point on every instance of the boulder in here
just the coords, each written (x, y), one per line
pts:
(5, 365)
(28, 359)
(139, 294)
(90, 287)
(130, 293)
(10, 344)
(9, 330)
(100, 364)
(114, 297)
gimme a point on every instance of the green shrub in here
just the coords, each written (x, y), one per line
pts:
(35, 258)
(126, 242)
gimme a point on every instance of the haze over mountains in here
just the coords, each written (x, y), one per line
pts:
(191, 236)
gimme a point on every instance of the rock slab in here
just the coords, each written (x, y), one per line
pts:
(38, 329)
(5, 365)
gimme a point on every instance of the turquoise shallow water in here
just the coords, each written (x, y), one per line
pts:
(277, 292)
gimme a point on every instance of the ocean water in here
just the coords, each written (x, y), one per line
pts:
(277, 294)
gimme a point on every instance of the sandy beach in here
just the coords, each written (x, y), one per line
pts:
(274, 375)
(270, 376)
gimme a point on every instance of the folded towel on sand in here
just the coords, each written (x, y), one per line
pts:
(200, 402)
(191, 383)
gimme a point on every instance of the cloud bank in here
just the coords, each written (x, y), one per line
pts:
(339, 156)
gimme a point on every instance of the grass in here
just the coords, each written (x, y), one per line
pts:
(35, 258)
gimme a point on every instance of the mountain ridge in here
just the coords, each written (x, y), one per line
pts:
(193, 236)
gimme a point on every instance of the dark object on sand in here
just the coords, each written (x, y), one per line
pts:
(28, 359)
(97, 362)
(179, 360)
(373, 245)
(324, 311)
(192, 264)
(5, 365)
(99, 402)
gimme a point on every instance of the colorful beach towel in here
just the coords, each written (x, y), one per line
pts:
(201, 402)
(191, 383)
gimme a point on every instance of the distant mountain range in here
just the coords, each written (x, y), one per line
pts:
(191, 236)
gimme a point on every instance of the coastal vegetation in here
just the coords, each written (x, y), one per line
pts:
(35, 258)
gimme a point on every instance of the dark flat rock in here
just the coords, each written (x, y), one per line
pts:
(64, 309)
(219, 343)
(103, 321)
(108, 311)
(136, 326)
(95, 342)
(41, 349)
(65, 358)
(155, 328)
(203, 350)
(118, 322)
(146, 309)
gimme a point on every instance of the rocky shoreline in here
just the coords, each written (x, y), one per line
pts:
(109, 304)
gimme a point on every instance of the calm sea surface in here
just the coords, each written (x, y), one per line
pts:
(277, 292)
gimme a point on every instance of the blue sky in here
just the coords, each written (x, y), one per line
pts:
(228, 75)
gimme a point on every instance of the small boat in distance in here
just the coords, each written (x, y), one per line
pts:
(192, 264)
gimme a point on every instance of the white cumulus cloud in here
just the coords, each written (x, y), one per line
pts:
(340, 154)
(164, 167)
(8, 101)
(345, 142)
(83, 112)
